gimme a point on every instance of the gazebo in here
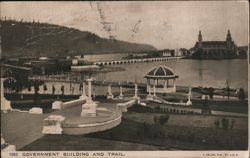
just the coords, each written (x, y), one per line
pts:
(162, 79)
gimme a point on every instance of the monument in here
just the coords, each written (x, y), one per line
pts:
(121, 94)
(189, 103)
(110, 95)
(136, 94)
(5, 104)
(89, 108)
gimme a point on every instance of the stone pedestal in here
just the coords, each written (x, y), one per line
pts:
(136, 97)
(89, 108)
(121, 94)
(136, 92)
(36, 110)
(57, 105)
(6, 147)
(5, 104)
(110, 95)
(53, 124)
(205, 97)
(189, 103)
(2, 140)
(149, 96)
(83, 96)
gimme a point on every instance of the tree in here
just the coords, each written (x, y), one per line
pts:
(241, 94)
(44, 88)
(29, 86)
(205, 107)
(217, 123)
(36, 95)
(62, 89)
(36, 87)
(211, 92)
(53, 89)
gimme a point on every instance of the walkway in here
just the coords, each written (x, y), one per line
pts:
(22, 128)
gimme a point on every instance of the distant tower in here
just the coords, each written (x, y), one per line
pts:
(200, 40)
(229, 40)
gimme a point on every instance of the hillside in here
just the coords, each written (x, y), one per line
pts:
(42, 39)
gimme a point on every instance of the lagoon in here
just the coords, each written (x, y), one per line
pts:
(206, 73)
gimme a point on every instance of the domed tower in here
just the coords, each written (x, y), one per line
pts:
(200, 40)
(162, 79)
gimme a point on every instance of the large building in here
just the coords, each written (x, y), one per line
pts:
(215, 49)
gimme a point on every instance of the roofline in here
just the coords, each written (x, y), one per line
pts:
(161, 77)
(162, 66)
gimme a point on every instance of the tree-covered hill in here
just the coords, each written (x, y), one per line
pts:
(41, 39)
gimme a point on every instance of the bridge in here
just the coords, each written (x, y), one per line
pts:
(127, 61)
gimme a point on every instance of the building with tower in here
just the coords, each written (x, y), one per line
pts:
(215, 49)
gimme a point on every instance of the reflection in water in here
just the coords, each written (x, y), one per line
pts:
(200, 70)
(191, 72)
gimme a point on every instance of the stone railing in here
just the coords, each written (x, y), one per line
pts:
(123, 106)
(79, 129)
(63, 105)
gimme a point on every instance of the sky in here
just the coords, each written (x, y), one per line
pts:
(163, 24)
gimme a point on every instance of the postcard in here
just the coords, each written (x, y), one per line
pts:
(124, 79)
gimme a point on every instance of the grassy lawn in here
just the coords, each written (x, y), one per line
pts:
(82, 143)
(131, 135)
(172, 136)
(227, 106)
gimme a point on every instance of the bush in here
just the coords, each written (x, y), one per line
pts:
(161, 120)
(150, 131)
(217, 123)
(211, 92)
(225, 123)
(241, 94)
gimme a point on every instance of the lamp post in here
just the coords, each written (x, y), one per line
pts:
(83, 96)
(89, 108)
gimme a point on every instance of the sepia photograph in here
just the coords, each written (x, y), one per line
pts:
(124, 79)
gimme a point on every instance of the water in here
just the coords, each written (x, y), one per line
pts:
(207, 73)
